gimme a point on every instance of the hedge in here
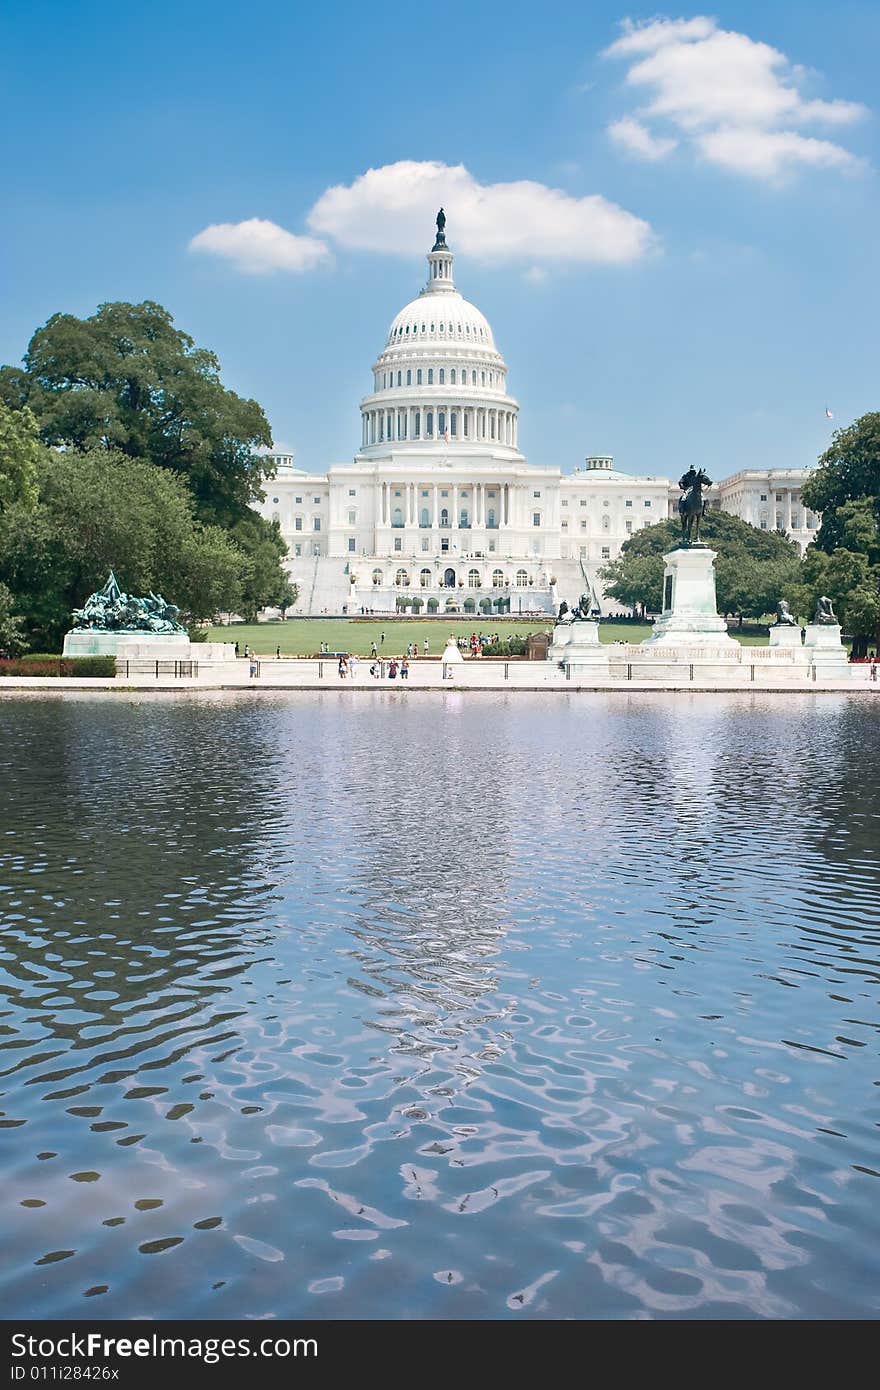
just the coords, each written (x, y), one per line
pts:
(40, 664)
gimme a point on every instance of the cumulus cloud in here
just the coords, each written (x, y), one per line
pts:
(392, 209)
(737, 100)
(259, 247)
(637, 139)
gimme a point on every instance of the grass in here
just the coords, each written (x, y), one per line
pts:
(303, 636)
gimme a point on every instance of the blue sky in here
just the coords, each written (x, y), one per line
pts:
(675, 242)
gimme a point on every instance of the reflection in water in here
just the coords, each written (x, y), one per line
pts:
(354, 1005)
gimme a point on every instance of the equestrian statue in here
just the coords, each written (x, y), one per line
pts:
(692, 505)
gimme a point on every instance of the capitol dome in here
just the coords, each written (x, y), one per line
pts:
(440, 377)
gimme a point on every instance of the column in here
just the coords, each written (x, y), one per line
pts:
(786, 517)
(435, 519)
(455, 517)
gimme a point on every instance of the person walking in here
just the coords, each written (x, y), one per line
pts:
(373, 651)
(425, 646)
(382, 638)
(392, 670)
(404, 669)
(342, 668)
(237, 653)
(278, 653)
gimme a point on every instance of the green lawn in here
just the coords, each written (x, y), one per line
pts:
(303, 636)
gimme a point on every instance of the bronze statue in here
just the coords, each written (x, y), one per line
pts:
(824, 613)
(783, 615)
(692, 506)
(440, 243)
(110, 610)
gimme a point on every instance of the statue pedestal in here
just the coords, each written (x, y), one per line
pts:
(583, 653)
(151, 646)
(690, 611)
(561, 638)
(825, 651)
(782, 635)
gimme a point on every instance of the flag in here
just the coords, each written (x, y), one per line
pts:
(446, 436)
(829, 414)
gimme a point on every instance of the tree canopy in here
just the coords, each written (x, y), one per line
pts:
(126, 379)
(753, 571)
(99, 511)
(19, 454)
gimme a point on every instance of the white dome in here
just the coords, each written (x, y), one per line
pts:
(436, 318)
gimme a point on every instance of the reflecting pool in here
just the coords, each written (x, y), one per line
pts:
(361, 1005)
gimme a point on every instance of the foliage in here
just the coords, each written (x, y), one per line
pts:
(753, 571)
(845, 561)
(20, 451)
(99, 511)
(126, 379)
(12, 638)
(40, 665)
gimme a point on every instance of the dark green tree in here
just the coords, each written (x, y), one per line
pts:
(753, 571)
(20, 451)
(12, 638)
(100, 511)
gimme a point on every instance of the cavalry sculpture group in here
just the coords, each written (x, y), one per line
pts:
(111, 610)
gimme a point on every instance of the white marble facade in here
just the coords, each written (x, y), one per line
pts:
(439, 503)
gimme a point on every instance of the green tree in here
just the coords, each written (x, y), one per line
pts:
(126, 379)
(20, 451)
(12, 639)
(754, 568)
(100, 511)
(845, 488)
(266, 584)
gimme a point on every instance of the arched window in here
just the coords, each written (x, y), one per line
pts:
(522, 579)
(408, 374)
(444, 516)
(425, 579)
(453, 422)
(498, 579)
(419, 372)
(424, 517)
(398, 378)
(442, 377)
(473, 378)
(490, 519)
(429, 424)
(397, 517)
(452, 376)
(430, 376)
(464, 518)
(417, 424)
(377, 576)
(473, 579)
(402, 578)
(441, 421)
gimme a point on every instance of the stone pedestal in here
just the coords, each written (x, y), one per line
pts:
(561, 638)
(690, 613)
(583, 653)
(142, 646)
(825, 651)
(784, 636)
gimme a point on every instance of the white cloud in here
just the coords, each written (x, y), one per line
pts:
(259, 247)
(768, 154)
(392, 208)
(637, 139)
(737, 99)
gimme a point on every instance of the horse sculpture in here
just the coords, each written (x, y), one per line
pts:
(692, 507)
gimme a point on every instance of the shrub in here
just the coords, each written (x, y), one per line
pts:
(37, 664)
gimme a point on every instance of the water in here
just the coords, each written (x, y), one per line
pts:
(356, 1005)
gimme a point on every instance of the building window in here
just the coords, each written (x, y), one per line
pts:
(442, 377)
(352, 545)
(473, 378)
(629, 527)
(298, 501)
(424, 516)
(498, 579)
(606, 523)
(316, 524)
(444, 516)
(473, 579)
(453, 422)
(763, 526)
(583, 501)
(417, 425)
(352, 517)
(647, 502)
(536, 494)
(409, 374)
(377, 577)
(628, 502)
(565, 525)
(430, 376)
(419, 373)
(425, 578)
(583, 525)
(491, 547)
(441, 422)
(297, 549)
(522, 579)
(583, 552)
(398, 543)
(606, 552)
(429, 423)
(452, 377)
(564, 502)
(316, 548)
(490, 518)
(352, 492)
(426, 543)
(536, 518)
(402, 578)
(399, 379)
(397, 516)
(297, 523)
(763, 497)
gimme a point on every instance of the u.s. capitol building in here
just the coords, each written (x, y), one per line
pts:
(439, 506)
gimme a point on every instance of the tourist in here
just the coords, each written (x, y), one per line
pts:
(278, 653)
(247, 651)
(254, 664)
(237, 653)
(353, 664)
(404, 669)
(382, 638)
(342, 671)
(874, 667)
(374, 670)
(373, 651)
(425, 646)
(392, 670)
